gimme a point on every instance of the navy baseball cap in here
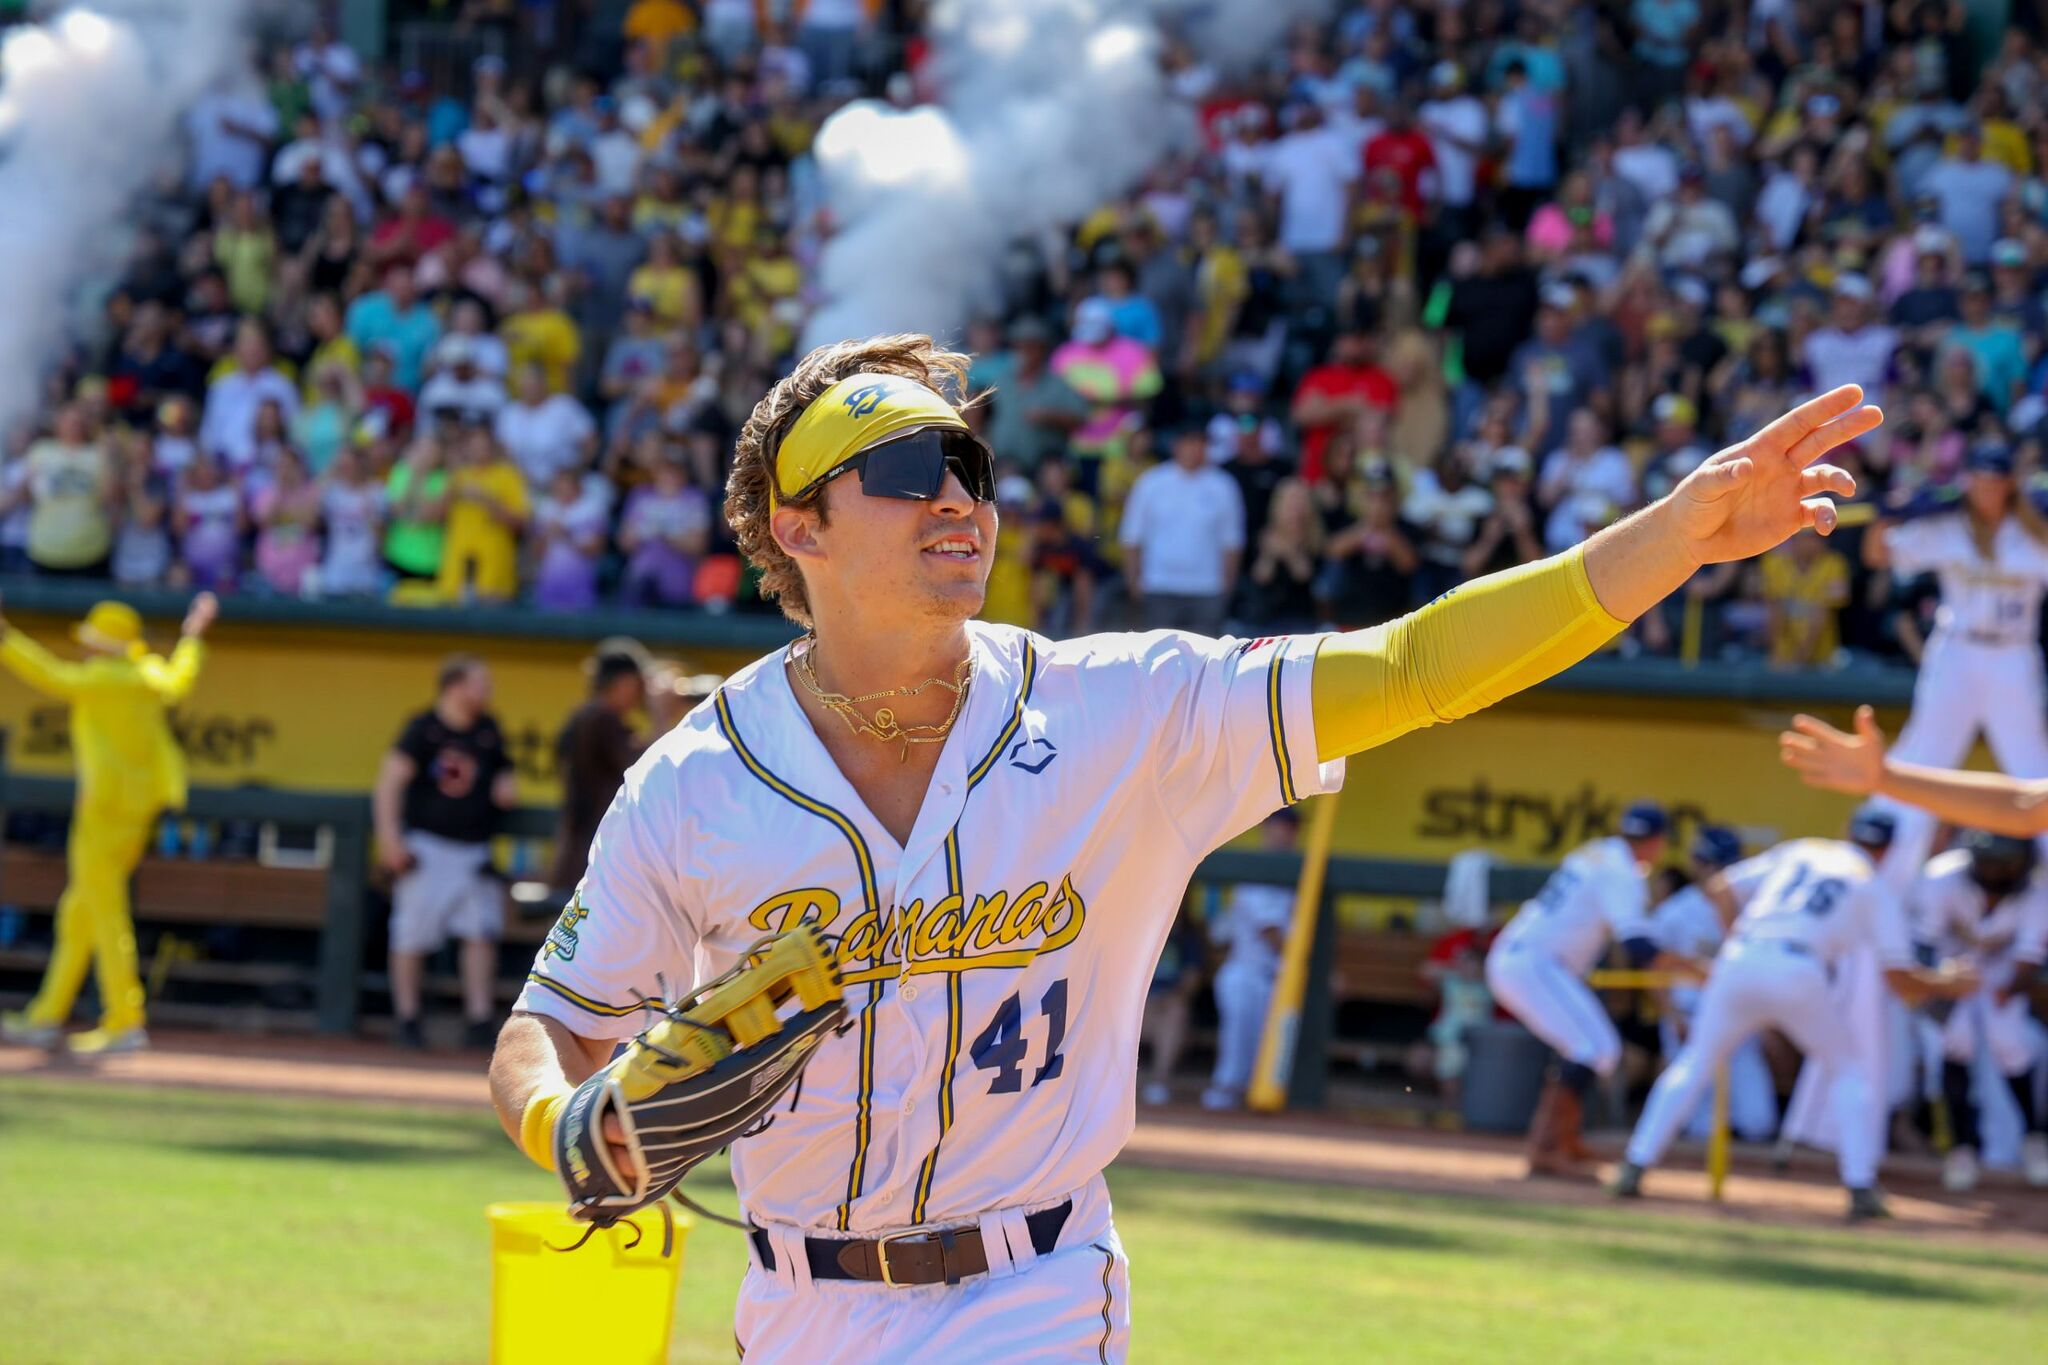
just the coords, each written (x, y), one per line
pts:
(1989, 457)
(1717, 846)
(1872, 826)
(1643, 820)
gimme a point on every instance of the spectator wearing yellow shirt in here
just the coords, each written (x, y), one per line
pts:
(542, 333)
(735, 217)
(487, 509)
(667, 283)
(246, 251)
(332, 345)
(760, 281)
(1805, 586)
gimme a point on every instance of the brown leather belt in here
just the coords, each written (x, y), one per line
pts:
(914, 1258)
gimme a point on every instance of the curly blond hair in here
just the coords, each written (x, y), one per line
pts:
(747, 503)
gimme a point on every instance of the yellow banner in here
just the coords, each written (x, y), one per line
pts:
(1534, 778)
(315, 709)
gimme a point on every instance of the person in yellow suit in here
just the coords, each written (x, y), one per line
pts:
(129, 769)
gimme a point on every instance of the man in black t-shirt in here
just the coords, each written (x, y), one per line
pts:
(436, 807)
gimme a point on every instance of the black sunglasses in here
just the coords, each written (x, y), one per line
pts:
(913, 466)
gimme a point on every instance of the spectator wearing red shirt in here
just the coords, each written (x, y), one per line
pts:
(1401, 149)
(381, 396)
(1338, 392)
(412, 233)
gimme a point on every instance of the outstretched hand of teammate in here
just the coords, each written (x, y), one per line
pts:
(1830, 759)
(1759, 493)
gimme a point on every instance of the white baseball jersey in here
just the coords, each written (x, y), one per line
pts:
(1597, 893)
(1686, 922)
(1820, 895)
(1993, 602)
(996, 964)
(1807, 903)
(1253, 910)
(1949, 912)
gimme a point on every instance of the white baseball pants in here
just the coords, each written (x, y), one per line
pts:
(1756, 986)
(1073, 1305)
(1555, 1004)
(1965, 688)
(1752, 1097)
(1243, 995)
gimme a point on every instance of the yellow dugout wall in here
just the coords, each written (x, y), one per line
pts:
(313, 708)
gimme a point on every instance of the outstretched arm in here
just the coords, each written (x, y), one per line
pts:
(172, 678)
(1828, 758)
(1497, 635)
(38, 667)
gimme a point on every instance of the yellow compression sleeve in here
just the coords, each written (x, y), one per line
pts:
(39, 668)
(1486, 640)
(172, 678)
(537, 1126)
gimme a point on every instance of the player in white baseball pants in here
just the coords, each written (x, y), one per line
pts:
(1981, 669)
(1804, 904)
(1257, 932)
(1981, 902)
(997, 829)
(1689, 925)
(1537, 969)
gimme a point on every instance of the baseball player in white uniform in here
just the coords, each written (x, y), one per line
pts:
(997, 830)
(1981, 669)
(1688, 925)
(1537, 969)
(1256, 929)
(1803, 905)
(1980, 902)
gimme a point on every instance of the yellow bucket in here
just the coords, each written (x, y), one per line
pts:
(611, 1299)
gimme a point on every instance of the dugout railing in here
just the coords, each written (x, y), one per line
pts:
(314, 878)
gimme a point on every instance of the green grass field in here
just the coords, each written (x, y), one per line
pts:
(163, 1225)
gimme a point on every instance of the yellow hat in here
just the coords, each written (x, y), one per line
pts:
(112, 627)
(855, 413)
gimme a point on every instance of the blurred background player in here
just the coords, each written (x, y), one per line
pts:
(1538, 966)
(1802, 905)
(1688, 924)
(598, 743)
(1256, 929)
(1980, 903)
(436, 806)
(129, 769)
(1981, 670)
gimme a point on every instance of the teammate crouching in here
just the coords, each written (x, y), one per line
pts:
(1538, 967)
(1795, 910)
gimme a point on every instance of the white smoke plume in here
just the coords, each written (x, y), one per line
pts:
(90, 113)
(1050, 108)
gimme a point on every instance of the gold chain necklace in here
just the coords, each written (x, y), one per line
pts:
(884, 726)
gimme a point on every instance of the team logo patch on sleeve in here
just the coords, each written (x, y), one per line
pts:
(562, 938)
(1032, 754)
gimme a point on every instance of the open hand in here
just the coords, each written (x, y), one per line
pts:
(204, 609)
(1826, 757)
(1754, 496)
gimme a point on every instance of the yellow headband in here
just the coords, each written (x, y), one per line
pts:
(855, 413)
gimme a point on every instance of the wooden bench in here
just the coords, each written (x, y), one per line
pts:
(1383, 968)
(182, 891)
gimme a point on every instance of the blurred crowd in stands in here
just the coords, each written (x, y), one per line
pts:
(1434, 290)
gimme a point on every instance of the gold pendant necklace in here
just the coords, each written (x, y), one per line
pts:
(884, 726)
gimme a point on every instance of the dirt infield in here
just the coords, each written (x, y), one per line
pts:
(1329, 1148)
